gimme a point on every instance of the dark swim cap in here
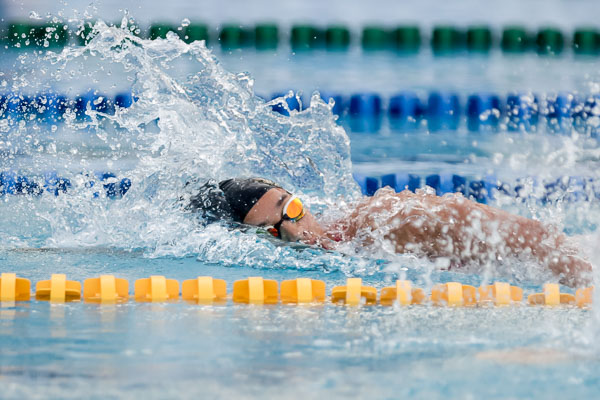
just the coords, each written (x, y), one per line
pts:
(232, 199)
(242, 194)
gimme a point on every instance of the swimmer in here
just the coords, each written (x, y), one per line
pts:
(449, 228)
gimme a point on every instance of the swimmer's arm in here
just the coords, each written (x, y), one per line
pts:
(452, 217)
(522, 236)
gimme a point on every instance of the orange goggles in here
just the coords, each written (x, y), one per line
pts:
(293, 210)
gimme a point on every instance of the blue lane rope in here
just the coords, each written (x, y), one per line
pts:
(567, 188)
(441, 110)
(107, 183)
(483, 190)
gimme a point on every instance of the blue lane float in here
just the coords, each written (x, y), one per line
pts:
(588, 110)
(339, 103)
(398, 182)
(92, 101)
(489, 188)
(483, 190)
(559, 111)
(522, 110)
(291, 101)
(15, 107)
(51, 107)
(124, 100)
(483, 110)
(405, 110)
(443, 111)
(366, 105)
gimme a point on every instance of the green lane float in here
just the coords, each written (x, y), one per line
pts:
(156, 289)
(305, 37)
(58, 289)
(302, 290)
(255, 290)
(194, 32)
(406, 39)
(13, 288)
(107, 289)
(375, 38)
(586, 41)
(337, 38)
(266, 36)
(84, 33)
(235, 37)
(446, 40)
(19, 35)
(160, 31)
(25, 35)
(54, 35)
(132, 26)
(479, 39)
(515, 39)
(550, 41)
(204, 290)
(353, 293)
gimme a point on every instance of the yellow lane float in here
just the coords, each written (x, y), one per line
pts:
(454, 294)
(403, 293)
(13, 288)
(302, 290)
(156, 289)
(255, 290)
(500, 294)
(551, 296)
(204, 290)
(58, 289)
(353, 293)
(584, 297)
(105, 289)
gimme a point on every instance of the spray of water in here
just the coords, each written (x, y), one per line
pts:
(182, 130)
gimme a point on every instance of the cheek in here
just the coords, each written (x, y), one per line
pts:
(296, 230)
(290, 230)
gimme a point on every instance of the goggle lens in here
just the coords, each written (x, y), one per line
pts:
(294, 209)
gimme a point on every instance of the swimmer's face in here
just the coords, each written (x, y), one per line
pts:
(268, 211)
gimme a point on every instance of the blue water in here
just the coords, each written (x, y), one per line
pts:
(180, 350)
(185, 350)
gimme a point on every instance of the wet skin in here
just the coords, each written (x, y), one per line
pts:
(268, 211)
(452, 227)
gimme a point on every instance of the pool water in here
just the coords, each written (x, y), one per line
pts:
(179, 129)
(187, 350)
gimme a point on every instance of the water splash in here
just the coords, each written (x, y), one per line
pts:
(181, 130)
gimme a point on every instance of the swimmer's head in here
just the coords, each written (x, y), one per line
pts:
(230, 199)
(258, 202)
